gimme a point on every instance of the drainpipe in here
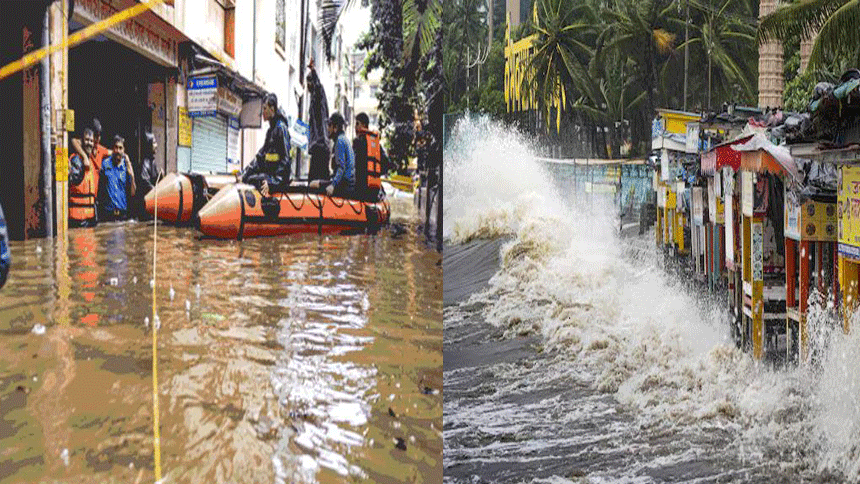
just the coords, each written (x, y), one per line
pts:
(45, 106)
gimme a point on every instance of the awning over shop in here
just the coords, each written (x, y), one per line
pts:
(758, 154)
(723, 155)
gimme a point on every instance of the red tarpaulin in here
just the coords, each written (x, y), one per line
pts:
(723, 155)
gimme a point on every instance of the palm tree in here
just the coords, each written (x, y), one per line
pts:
(558, 67)
(727, 40)
(610, 97)
(834, 21)
(636, 30)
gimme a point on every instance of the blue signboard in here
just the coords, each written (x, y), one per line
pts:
(202, 96)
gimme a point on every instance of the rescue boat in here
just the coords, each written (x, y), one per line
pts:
(239, 211)
(182, 195)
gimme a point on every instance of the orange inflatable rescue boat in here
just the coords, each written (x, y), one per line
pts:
(182, 195)
(238, 211)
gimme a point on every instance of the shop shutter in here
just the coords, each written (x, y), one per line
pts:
(209, 144)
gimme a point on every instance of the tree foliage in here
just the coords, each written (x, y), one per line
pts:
(617, 60)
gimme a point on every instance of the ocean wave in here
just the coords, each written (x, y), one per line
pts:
(638, 333)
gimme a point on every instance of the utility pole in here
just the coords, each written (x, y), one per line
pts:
(304, 27)
(490, 24)
(686, 51)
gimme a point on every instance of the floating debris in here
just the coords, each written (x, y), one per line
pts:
(38, 249)
(187, 305)
(157, 322)
(400, 443)
(146, 322)
(391, 412)
(172, 292)
(134, 280)
(39, 329)
(151, 283)
(114, 281)
(197, 290)
(65, 456)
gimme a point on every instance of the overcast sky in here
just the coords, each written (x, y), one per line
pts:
(355, 21)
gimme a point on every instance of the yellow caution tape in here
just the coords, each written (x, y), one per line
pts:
(80, 36)
(156, 433)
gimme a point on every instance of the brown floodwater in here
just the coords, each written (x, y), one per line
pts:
(296, 359)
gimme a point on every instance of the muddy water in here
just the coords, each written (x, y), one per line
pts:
(300, 359)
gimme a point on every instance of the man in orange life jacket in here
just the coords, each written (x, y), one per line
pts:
(370, 158)
(99, 152)
(83, 184)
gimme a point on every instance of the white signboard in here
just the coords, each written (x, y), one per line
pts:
(661, 197)
(692, 137)
(233, 142)
(712, 201)
(730, 232)
(664, 165)
(299, 134)
(792, 216)
(698, 206)
(202, 96)
(757, 247)
(229, 103)
(747, 192)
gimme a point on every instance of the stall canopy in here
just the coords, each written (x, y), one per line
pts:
(723, 155)
(763, 156)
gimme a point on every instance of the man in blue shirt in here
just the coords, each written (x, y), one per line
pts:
(116, 183)
(342, 184)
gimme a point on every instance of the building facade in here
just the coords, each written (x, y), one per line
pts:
(192, 72)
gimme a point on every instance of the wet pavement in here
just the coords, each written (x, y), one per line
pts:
(292, 359)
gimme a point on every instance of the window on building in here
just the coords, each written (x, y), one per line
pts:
(357, 93)
(373, 90)
(230, 29)
(281, 24)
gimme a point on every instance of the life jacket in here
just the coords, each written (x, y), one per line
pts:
(374, 159)
(82, 197)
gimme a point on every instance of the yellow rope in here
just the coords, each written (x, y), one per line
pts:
(78, 37)
(156, 442)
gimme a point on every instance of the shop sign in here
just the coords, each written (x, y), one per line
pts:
(62, 163)
(848, 208)
(698, 206)
(233, 142)
(730, 233)
(184, 138)
(664, 165)
(661, 197)
(139, 33)
(792, 216)
(757, 248)
(299, 134)
(229, 103)
(747, 181)
(202, 96)
(715, 204)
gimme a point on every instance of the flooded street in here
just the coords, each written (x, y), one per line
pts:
(292, 359)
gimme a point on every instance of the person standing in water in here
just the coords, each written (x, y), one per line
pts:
(270, 170)
(116, 183)
(149, 173)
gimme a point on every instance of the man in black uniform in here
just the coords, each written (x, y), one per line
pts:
(270, 170)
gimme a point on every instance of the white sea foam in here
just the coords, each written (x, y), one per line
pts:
(634, 331)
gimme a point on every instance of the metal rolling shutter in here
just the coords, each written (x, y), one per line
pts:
(209, 144)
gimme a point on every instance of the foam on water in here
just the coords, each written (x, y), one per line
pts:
(626, 328)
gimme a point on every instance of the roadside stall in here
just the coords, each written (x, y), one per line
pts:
(764, 169)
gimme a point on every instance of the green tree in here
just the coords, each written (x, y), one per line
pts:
(727, 41)
(565, 31)
(833, 23)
